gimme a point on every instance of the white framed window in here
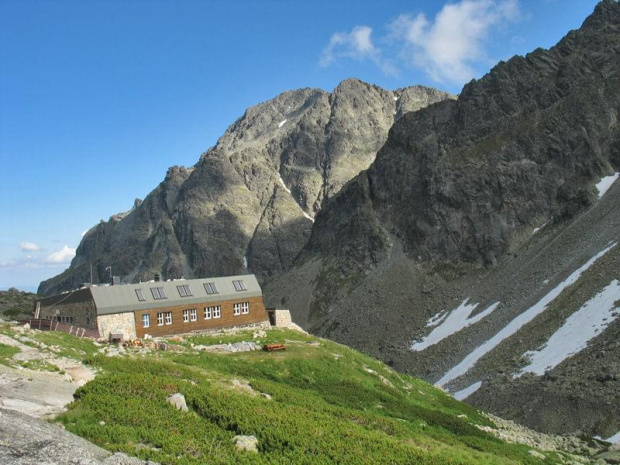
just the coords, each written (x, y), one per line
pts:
(145, 320)
(236, 309)
(160, 319)
(208, 313)
(217, 311)
(168, 318)
(193, 314)
(245, 308)
(185, 316)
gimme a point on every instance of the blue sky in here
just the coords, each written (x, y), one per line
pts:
(98, 99)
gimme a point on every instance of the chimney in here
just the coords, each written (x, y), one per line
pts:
(116, 280)
(157, 277)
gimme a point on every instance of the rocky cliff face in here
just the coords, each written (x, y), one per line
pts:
(249, 203)
(475, 212)
(464, 179)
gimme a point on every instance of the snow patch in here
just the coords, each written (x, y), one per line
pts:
(435, 320)
(289, 191)
(468, 391)
(395, 98)
(515, 325)
(605, 183)
(450, 323)
(539, 228)
(614, 439)
(282, 123)
(306, 215)
(245, 262)
(573, 336)
(284, 185)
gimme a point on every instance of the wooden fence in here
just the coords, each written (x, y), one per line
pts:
(49, 325)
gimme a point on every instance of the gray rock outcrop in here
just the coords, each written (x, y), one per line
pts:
(26, 441)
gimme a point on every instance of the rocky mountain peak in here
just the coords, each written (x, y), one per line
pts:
(520, 141)
(250, 201)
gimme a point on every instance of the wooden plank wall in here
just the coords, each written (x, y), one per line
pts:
(257, 314)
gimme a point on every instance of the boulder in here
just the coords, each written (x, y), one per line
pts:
(178, 401)
(247, 443)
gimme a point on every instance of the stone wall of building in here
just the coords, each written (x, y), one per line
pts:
(117, 323)
(81, 314)
(280, 317)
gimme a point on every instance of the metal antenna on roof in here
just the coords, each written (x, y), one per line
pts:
(109, 268)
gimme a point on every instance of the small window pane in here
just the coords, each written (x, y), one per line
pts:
(140, 295)
(184, 290)
(145, 320)
(158, 293)
(210, 288)
(239, 285)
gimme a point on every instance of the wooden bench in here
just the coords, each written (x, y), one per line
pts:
(273, 347)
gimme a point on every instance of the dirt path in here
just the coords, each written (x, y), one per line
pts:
(40, 394)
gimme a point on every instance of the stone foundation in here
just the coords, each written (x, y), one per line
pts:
(263, 325)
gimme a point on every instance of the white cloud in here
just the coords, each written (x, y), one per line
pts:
(448, 47)
(63, 255)
(29, 246)
(357, 45)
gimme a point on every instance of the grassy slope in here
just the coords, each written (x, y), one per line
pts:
(330, 404)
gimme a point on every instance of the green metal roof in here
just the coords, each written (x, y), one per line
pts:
(123, 298)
